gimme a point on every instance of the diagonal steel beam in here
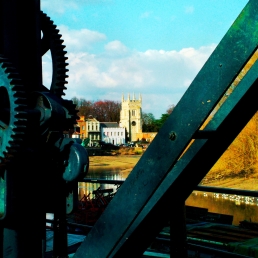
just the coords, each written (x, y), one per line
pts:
(192, 166)
(208, 87)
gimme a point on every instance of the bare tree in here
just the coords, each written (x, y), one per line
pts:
(104, 111)
(170, 109)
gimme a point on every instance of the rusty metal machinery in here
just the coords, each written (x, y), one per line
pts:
(13, 117)
(51, 41)
(40, 166)
(15, 108)
(33, 118)
(43, 110)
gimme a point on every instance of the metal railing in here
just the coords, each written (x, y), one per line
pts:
(190, 245)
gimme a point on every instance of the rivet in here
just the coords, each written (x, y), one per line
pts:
(172, 136)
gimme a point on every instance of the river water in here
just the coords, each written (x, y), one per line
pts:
(242, 208)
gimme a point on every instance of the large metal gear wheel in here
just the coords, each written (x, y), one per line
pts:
(13, 116)
(52, 41)
(12, 95)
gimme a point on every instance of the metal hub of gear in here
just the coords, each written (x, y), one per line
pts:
(13, 117)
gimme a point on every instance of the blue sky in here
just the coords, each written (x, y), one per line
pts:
(150, 47)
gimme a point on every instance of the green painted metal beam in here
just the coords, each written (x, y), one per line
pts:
(234, 114)
(108, 238)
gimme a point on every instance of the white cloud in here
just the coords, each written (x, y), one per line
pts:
(189, 9)
(59, 6)
(80, 40)
(116, 47)
(160, 76)
(145, 15)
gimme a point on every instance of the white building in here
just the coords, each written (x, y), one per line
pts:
(111, 133)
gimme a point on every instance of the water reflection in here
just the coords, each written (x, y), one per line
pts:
(241, 207)
(98, 173)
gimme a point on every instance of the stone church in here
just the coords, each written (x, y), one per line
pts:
(131, 117)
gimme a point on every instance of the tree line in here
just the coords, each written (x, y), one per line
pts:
(102, 110)
(150, 124)
(241, 157)
(109, 111)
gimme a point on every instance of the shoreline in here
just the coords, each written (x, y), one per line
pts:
(127, 163)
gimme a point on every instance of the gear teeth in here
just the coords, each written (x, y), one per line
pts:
(19, 122)
(5, 63)
(53, 41)
(18, 88)
(11, 70)
(18, 138)
(13, 147)
(14, 82)
(72, 113)
(20, 96)
(63, 59)
(52, 35)
(21, 99)
(17, 127)
(15, 77)
(20, 107)
(21, 115)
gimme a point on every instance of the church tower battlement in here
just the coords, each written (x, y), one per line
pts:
(131, 116)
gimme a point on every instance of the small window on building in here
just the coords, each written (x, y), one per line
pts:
(83, 127)
(110, 133)
(117, 133)
(96, 128)
(133, 112)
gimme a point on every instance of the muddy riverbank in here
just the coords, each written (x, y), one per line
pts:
(127, 163)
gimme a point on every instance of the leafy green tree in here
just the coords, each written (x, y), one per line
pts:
(148, 122)
(159, 122)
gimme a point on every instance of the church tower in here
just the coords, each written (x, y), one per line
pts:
(131, 117)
